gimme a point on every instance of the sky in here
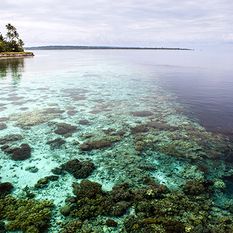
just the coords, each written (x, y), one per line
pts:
(174, 23)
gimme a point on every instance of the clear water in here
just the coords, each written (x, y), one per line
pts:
(188, 94)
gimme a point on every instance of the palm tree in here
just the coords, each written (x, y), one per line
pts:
(13, 40)
(11, 34)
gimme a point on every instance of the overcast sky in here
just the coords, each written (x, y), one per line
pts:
(120, 22)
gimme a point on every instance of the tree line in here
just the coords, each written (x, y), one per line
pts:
(11, 42)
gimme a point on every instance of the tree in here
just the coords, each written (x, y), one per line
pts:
(12, 42)
(2, 43)
(21, 43)
(1, 37)
(11, 34)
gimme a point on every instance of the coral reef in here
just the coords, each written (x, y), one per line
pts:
(3, 126)
(156, 209)
(196, 187)
(2, 227)
(10, 138)
(174, 212)
(72, 226)
(142, 113)
(18, 153)
(100, 143)
(84, 122)
(111, 223)
(43, 182)
(27, 215)
(27, 119)
(65, 129)
(92, 201)
(93, 145)
(79, 169)
(5, 188)
(56, 143)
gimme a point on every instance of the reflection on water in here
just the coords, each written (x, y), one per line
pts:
(13, 67)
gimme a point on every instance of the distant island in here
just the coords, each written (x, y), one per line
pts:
(11, 45)
(71, 47)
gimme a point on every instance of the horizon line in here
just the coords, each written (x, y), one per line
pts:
(102, 47)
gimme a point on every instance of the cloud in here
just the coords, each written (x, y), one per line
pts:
(128, 22)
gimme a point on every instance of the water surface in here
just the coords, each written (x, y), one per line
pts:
(152, 127)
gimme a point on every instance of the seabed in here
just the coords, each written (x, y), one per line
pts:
(106, 149)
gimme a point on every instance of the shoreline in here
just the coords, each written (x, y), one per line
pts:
(16, 54)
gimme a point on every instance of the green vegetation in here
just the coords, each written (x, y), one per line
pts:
(11, 42)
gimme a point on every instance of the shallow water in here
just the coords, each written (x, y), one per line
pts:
(165, 115)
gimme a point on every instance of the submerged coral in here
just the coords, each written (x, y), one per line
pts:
(79, 169)
(5, 188)
(142, 113)
(65, 129)
(56, 143)
(10, 138)
(3, 126)
(27, 215)
(35, 117)
(91, 201)
(84, 122)
(18, 153)
(43, 182)
(72, 226)
(156, 209)
(100, 143)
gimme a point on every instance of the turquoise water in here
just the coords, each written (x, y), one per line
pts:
(128, 117)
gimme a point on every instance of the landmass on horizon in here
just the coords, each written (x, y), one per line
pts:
(76, 47)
